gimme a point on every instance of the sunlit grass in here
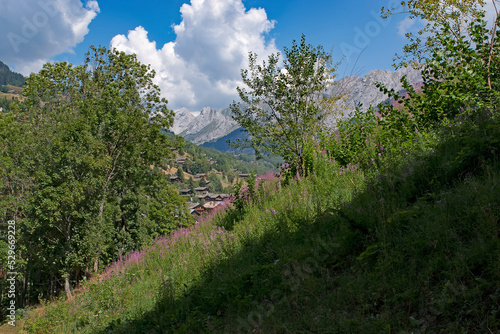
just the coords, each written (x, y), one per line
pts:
(409, 245)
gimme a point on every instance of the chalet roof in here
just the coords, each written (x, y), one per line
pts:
(213, 197)
(211, 205)
(196, 212)
(201, 189)
(185, 191)
(193, 206)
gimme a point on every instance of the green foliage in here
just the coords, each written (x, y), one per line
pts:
(202, 183)
(169, 210)
(461, 78)
(215, 182)
(410, 245)
(397, 233)
(180, 173)
(282, 109)
(75, 171)
(191, 183)
(434, 16)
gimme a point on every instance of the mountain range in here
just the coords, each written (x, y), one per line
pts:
(210, 124)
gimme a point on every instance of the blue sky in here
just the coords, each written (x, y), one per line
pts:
(198, 62)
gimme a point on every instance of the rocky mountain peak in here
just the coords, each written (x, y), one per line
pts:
(210, 124)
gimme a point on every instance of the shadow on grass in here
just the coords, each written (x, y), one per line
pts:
(256, 287)
(413, 251)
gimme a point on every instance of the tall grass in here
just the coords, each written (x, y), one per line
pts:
(410, 244)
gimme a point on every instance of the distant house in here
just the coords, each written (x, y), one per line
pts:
(186, 192)
(181, 161)
(234, 169)
(209, 197)
(12, 91)
(221, 197)
(210, 206)
(204, 197)
(244, 176)
(208, 182)
(201, 175)
(175, 179)
(196, 209)
(201, 190)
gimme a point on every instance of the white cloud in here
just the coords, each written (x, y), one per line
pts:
(33, 31)
(406, 25)
(202, 66)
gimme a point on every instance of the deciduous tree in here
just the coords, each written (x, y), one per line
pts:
(92, 133)
(455, 15)
(283, 106)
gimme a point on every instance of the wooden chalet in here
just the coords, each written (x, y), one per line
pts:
(201, 175)
(175, 179)
(185, 192)
(209, 197)
(196, 209)
(210, 206)
(201, 190)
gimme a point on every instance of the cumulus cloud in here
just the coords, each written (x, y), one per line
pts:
(202, 66)
(33, 31)
(406, 25)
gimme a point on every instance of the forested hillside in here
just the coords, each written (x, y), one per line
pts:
(10, 86)
(7, 77)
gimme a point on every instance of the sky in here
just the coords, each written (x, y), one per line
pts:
(198, 47)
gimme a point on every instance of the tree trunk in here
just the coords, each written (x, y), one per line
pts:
(67, 285)
(99, 219)
(96, 265)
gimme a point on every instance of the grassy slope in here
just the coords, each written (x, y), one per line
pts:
(9, 97)
(410, 246)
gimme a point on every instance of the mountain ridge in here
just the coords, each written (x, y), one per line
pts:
(212, 124)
